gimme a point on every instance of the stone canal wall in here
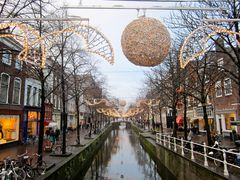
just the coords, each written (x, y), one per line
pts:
(79, 162)
(177, 166)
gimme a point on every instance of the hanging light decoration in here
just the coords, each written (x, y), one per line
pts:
(145, 42)
(122, 103)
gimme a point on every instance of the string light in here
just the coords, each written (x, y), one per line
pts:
(98, 45)
(204, 35)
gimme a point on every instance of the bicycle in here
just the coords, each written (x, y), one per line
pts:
(11, 171)
(57, 149)
(23, 163)
(39, 166)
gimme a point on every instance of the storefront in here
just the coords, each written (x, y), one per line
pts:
(9, 128)
(198, 120)
(30, 123)
(224, 119)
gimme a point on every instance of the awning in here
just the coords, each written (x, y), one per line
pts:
(179, 120)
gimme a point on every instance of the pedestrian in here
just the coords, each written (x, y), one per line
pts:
(52, 136)
(190, 135)
(47, 133)
(57, 133)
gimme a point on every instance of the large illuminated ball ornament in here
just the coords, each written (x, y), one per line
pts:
(146, 42)
(122, 103)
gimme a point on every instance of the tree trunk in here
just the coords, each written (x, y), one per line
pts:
(78, 120)
(185, 115)
(205, 116)
(175, 127)
(161, 124)
(42, 117)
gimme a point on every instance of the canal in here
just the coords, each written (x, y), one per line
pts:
(122, 157)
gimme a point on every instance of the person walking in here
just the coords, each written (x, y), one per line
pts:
(57, 133)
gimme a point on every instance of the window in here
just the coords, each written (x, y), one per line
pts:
(16, 91)
(39, 97)
(227, 87)
(28, 94)
(34, 96)
(220, 64)
(6, 57)
(18, 64)
(218, 89)
(5, 79)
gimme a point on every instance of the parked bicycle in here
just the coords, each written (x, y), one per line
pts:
(11, 170)
(57, 149)
(232, 155)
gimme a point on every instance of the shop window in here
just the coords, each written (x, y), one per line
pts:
(18, 64)
(6, 57)
(28, 94)
(5, 80)
(228, 121)
(218, 89)
(16, 91)
(227, 87)
(9, 128)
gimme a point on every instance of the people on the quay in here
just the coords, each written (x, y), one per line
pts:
(57, 134)
(190, 135)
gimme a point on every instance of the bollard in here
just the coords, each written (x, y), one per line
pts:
(182, 146)
(157, 138)
(205, 155)
(164, 142)
(225, 170)
(175, 147)
(169, 142)
(192, 155)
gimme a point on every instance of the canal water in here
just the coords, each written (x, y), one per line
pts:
(122, 157)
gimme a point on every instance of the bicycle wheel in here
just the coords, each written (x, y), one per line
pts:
(29, 171)
(69, 148)
(218, 159)
(57, 150)
(41, 167)
(19, 173)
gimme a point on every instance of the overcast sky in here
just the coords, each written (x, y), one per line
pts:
(124, 79)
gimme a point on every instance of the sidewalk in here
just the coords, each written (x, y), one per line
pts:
(71, 137)
(198, 138)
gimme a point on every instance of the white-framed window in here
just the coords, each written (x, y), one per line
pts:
(218, 89)
(6, 57)
(29, 89)
(18, 64)
(39, 97)
(4, 88)
(227, 87)
(16, 91)
(220, 64)
(34, 96)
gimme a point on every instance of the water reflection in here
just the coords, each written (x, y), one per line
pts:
(122, 157)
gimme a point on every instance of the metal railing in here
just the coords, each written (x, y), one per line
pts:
(221, 157)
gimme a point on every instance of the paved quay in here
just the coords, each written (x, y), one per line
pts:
(18, 149)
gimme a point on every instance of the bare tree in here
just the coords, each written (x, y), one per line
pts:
(166, 79)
